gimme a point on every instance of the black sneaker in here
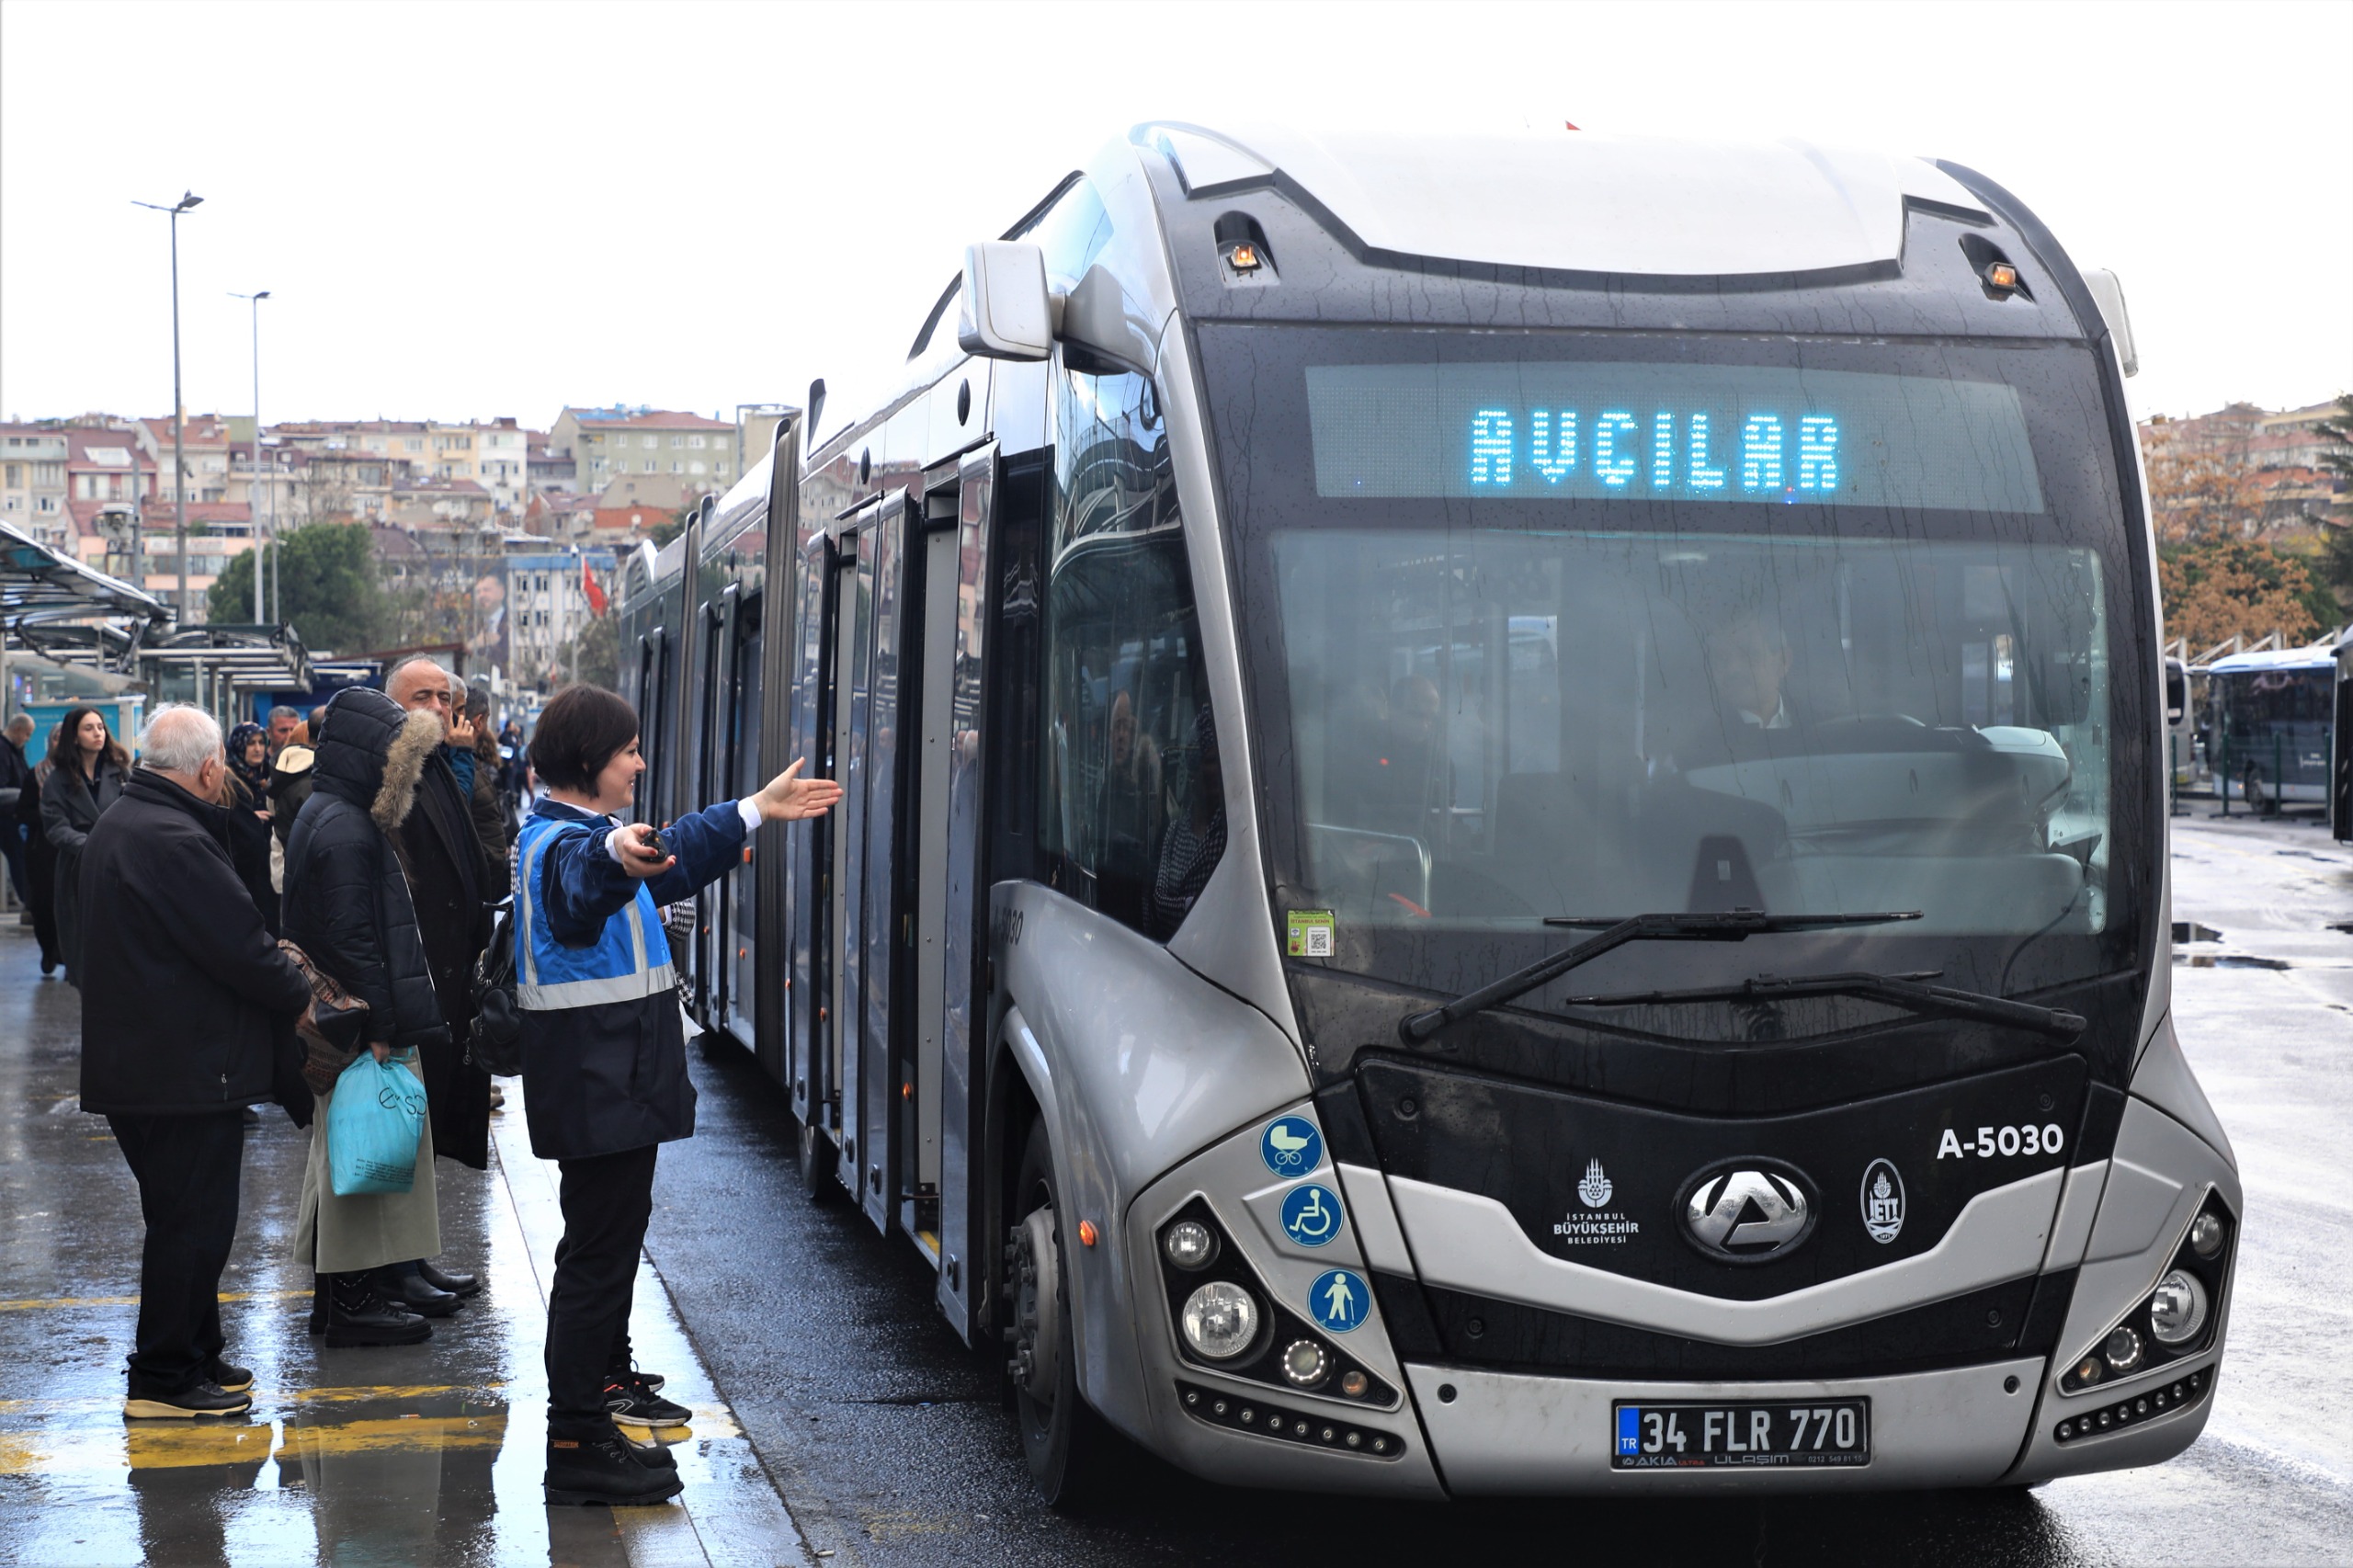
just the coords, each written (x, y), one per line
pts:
(606, 1469)
(634, 1405)
(652, 1381)
(358, 1314)
(146, 1402)
(229, 1379)
(653, 1455)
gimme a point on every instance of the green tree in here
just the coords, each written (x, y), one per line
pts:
(328, 591)
(663, 533)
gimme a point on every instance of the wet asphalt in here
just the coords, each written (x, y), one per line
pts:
(837, 1420)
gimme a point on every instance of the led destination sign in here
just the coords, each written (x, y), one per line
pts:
(1682, 433)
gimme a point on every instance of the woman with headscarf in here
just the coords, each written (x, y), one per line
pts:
(245, 790)
(88, 770)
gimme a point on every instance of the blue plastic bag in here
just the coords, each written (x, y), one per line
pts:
(374, 1121)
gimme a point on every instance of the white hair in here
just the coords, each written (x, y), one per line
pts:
(180, 738)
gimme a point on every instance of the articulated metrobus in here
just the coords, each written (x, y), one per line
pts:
(1506, 824)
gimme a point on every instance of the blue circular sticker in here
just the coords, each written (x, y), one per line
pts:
(1291, 1146)
(1338, 1300)
(1310, 1214)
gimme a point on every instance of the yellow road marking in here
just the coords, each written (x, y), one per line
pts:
(34, 1304)
(181, 1445)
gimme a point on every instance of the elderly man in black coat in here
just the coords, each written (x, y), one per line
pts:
(183, 990)
(453, 880)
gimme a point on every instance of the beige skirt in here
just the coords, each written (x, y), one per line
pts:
(344, 1235)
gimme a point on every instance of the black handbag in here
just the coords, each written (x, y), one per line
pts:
(495, 1044)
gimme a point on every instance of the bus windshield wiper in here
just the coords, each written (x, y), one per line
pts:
(1735, 925)
(1896, 990)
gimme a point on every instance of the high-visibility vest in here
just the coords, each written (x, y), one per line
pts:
(629, 961)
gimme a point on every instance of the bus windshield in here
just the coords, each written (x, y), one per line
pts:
(1543, 625)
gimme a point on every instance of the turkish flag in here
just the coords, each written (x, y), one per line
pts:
(588, 586)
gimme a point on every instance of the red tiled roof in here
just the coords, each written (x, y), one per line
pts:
(159, 515)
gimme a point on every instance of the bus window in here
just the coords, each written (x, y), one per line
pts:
(1131, 817)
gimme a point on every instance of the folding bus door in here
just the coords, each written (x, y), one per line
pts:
(707, 768)
(883, 921)
(929, 705)
(809, 879)
(853, 691)
(740, 927)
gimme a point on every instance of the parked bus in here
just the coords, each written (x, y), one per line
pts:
(2271, 718)
(1506, 824)
(2340, 751)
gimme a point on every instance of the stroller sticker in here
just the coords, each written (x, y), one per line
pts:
(1291, 1146)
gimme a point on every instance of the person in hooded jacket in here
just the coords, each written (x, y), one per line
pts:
(605, 1059)
(88, 770)
(347, 906)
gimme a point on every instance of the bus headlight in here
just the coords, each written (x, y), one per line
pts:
(2206, 1235)
(2177, 1310)
(1220, 1319)
(1190, 1245)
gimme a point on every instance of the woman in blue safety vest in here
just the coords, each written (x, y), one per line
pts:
(605, 1059)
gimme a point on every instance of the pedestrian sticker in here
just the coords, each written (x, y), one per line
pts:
(1311, 933)
(1291, 1146)
(1338, 1300)
(1310, 1214)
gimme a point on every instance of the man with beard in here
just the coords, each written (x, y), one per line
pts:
(453, 879)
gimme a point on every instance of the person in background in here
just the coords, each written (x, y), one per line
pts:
(16, 773)
(453, 881)
(41, 856)
(347, 906)
(244, 789)
(90, 770)
(474, 756)
(283, 722)
(183, 990)
(605, 1060)
(315, 721)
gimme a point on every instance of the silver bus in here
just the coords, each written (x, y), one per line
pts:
(1506, 824)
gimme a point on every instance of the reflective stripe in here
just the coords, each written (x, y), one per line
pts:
(590, 993)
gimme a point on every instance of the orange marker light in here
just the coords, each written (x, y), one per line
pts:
(1086, 1232)
(2002, 275)
(1244, 258)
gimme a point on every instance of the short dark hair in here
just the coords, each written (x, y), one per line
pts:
(581, 729)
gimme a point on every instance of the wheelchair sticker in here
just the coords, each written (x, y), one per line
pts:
(1310, 1214)
(1291, 1146)
(1338, 1300)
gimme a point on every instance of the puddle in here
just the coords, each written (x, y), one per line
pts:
(2191, 931)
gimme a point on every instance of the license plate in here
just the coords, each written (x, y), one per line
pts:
(1764, 1433)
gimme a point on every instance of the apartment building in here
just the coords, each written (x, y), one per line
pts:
(663, 453)
(33, 481)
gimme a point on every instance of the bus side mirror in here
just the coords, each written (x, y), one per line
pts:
(1007, 312)
(2109, 295)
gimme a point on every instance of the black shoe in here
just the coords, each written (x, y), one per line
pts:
(358, 1314)
(605, 1469)
(415, 1292)
(650, 1381)
(461, 1285)
(229, 1379)
(633, 1404)
(48, 966)
(147, 1403)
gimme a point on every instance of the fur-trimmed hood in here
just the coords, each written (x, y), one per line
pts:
(372, 753)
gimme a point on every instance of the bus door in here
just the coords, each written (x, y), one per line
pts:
(952, 896)
(739, 926)
(809, 878)
(853, 696)
(704, 988)
(927, 661)
(881, 927)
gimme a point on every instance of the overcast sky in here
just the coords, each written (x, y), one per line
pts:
(483, 208)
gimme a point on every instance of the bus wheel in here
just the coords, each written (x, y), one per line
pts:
(817, 1163)
(1070, 1449)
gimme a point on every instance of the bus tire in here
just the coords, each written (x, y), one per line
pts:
(1072, 1452)
(817, 1163)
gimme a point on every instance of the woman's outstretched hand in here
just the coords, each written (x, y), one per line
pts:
(788, 797)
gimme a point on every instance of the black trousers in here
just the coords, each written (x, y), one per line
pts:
(606, 1201)
(188, 1168)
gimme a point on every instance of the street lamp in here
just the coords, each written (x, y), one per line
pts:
(260, 559)
(179, 467)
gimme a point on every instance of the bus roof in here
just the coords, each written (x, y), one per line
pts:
(2319, 656)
